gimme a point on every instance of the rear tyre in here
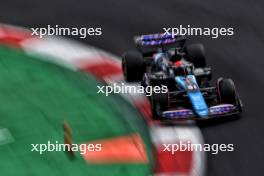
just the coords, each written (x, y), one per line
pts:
(227, 91)
(196, 55)
(159, 104)
(133, 66)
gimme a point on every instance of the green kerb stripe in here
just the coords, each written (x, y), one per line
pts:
(36, 97)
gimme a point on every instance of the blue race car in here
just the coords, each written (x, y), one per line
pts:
(164, 60)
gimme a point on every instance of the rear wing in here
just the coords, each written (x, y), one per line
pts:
(152, 43)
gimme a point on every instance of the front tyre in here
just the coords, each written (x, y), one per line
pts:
(227, 91)
(159, 104)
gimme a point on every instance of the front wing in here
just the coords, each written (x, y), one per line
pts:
(214, 111)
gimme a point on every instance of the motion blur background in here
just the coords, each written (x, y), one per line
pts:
(239, 57)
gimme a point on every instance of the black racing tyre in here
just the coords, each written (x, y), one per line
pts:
(159, 103)
(227, 91)
(195, 53)
(133, 66)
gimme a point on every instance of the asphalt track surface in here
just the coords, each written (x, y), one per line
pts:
(239, 57)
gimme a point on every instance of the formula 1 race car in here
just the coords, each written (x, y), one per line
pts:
(164, 60)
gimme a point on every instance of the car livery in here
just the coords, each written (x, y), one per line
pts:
(164, 59)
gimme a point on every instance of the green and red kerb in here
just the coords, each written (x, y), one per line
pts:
(107, 69)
